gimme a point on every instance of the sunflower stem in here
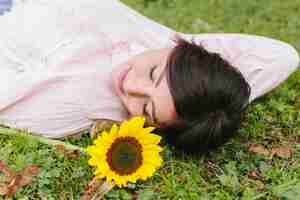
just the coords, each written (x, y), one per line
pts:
(41, 139)
(104, 188)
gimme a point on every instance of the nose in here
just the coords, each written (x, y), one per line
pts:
(137, 87)
(136, 90)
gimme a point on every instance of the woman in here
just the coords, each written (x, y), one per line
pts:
(65, 64)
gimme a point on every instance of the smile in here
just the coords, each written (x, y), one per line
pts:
(122, 78)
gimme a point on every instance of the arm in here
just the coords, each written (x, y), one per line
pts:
(264, 62)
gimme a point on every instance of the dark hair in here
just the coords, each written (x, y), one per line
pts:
(210, 97)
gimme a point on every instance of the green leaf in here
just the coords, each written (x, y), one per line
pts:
(288, 191)
(147, 194)
(230, 177)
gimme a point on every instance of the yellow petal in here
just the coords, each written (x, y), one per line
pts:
(114, 129)
(148, 130)
(152, 147)
(100, 176)
(124, 128)
(151, 139)
(136, 124)
(93, 162)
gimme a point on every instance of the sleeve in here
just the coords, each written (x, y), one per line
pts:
(35, 32)
(28, 33)
(51, 107)
(264, 62)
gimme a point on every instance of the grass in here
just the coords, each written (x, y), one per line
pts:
(224, 174)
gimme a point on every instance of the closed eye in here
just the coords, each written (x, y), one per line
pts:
(145, 112)
(151, 75)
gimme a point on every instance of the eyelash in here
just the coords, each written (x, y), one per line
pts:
(152, 79)
(144, 110)
(151, 73)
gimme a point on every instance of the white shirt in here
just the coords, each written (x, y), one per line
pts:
(56, 58)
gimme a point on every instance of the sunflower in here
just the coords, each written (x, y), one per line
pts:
(126, 154)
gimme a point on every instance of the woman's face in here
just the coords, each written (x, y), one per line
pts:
(141, 83)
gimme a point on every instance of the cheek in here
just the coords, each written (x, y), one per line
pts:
(170, 119)
(163, 124)
(168, 114)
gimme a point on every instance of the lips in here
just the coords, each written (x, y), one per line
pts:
(120, 82)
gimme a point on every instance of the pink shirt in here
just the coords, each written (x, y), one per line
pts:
(56, 59)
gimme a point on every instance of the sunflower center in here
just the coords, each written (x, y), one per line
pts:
(125, 155)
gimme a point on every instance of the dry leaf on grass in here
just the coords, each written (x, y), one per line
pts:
(91, 189)
(12, 181)
(254, 174)
(259, 149)
(282, 151)
(96, 189)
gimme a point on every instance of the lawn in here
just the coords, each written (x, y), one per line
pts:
(261, 162)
